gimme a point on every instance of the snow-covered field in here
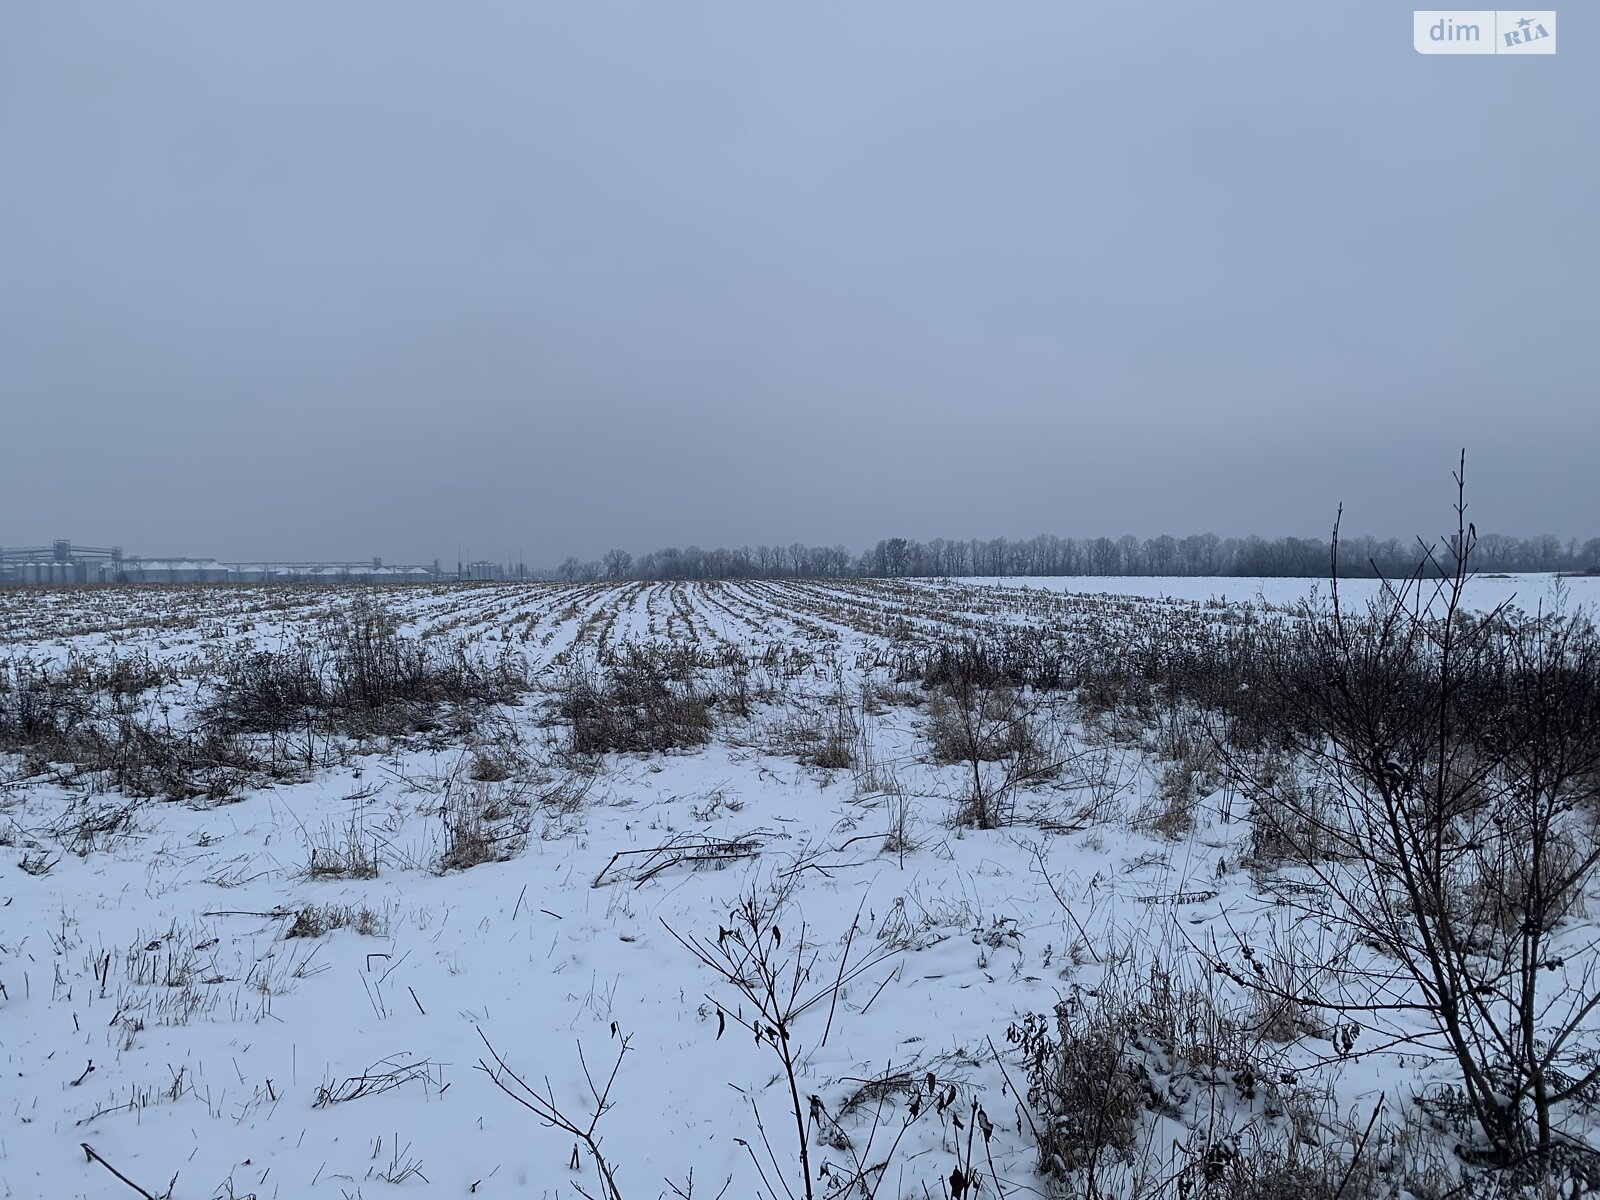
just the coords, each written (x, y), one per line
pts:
(1526, 590)
(287, 988)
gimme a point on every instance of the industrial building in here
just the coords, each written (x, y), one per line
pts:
(329, 572)
(173, 570)
(60, 563)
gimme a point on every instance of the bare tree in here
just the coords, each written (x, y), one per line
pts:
(1447, 813)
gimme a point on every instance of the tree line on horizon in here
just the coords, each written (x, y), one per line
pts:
(1202, 554)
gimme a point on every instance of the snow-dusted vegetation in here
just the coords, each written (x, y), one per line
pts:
(789, 889)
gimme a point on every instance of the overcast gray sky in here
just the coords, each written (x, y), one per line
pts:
(354, 277)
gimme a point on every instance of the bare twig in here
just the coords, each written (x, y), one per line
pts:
(92, 1155)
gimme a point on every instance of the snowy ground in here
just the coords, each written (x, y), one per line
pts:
(155, 1008)
(1526, 590)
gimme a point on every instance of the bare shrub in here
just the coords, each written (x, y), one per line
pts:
(1284, 816)
(42, 702)
(977, 724)
(360, 677)
(1172, 810)
(87, 825)
(551, 1113)
(82, 716)
(828, 737)
(347, 852)
(635, 705)
(1024, 658)
(1108, 1062)
(1191, 769)
(318, 920)
(1282, 1164)
(1451, 759)
(899, 839)
(997, 736)
(267, 692)
(495, 764)
(141, 759)
(895, 695)
(483, 823)
(777, 980)
(836, 751)
(1085, 1090)
(146, 760)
